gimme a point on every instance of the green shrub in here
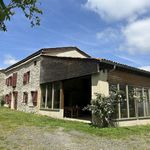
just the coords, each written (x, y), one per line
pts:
(2, 102)
(103, 109)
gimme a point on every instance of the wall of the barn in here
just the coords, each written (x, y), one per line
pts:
(56, 69)
(100, 83)
(53, 113)
(34, 68)
(2, 83)
(129, 78)
(66, 53)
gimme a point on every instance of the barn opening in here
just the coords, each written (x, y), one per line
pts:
(77, 95)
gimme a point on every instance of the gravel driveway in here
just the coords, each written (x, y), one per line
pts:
(35, 138)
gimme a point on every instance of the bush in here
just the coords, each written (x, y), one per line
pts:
(104, 109)
(2, 102)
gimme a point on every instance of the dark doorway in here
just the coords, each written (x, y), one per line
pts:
(77, 95)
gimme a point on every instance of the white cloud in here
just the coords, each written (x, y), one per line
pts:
(9, 60)
(137, 37)
(147, 68)
(127, 58)
(118, 9)
(108, 35)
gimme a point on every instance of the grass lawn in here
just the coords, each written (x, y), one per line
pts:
(10, 120)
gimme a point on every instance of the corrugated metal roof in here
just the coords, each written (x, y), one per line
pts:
(124, 66)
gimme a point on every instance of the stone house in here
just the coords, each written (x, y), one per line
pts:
(60, 82)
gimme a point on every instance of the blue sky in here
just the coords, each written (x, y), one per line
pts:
(118, 30)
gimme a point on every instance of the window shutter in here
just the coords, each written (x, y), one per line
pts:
(28, 76)
(6, 99)
(14, 80)
(11, 81)
(34, 97)
(8, 81)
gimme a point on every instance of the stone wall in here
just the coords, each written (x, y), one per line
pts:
(100, 83)
(2, 83)
(33, 85)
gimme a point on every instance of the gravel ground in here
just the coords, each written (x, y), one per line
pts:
(34, 138)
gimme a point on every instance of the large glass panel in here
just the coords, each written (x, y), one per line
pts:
(49, 95)
(123, 103)
(43, 95)
(147, 102)
(131, 101)
(57, 95)
(113, 91)
(140, 102)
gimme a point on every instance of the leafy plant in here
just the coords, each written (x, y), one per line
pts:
(103, 109)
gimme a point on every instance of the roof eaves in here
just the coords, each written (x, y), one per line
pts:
(124, 66)
(25, 59)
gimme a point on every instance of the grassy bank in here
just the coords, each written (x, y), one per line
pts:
(10, 120)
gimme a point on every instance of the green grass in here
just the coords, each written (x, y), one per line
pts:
(10, 120)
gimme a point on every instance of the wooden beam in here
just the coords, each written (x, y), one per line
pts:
(61, 96)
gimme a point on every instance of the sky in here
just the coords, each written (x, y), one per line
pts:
(117, 30)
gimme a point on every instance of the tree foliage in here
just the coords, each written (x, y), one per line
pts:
(28, 7)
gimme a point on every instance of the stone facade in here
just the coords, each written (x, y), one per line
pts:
(2, 83)
(34, 84)
(33, 66)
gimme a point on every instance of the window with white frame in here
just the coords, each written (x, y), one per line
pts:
(50, 95)
(129, 107)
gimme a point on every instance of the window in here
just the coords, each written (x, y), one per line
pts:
(147, 102)
(25, 97)
(26, 78)
(140, 102)
(43, 94)
(8, 99)
(56, 95)
(50, 94)
(35, 62)
(9, 81)
(113, 90)
(123, 103)
(34, 98)
(132, 104)
(135, 101)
